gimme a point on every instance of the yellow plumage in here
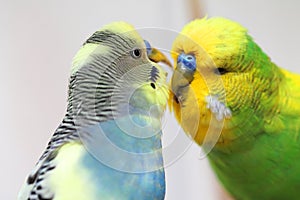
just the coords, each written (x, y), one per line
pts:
(79, 183)
(216, 43)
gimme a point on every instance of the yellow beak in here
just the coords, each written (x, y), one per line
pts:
(157, 56)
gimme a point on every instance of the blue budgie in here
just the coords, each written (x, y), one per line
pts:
(108, 145)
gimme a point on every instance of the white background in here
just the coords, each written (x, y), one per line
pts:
(39, 38)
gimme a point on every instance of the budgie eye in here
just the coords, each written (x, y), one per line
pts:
(220, 71)
(136, 53)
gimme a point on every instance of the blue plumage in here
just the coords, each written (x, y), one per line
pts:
(133, 169)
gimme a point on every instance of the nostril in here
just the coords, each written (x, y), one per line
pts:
(176, 99)
(189, 57)
(153, 85)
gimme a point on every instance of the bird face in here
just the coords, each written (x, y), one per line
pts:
(216, 82)
(143, 86)
(116, 72)
(197, 94)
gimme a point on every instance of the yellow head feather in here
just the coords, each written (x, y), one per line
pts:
(83, 55)
(215, 37)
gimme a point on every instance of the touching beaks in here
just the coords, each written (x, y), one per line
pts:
(155, 55)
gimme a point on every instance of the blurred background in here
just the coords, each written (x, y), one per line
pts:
(39, 38)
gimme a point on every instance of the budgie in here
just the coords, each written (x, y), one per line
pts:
(108, 145)
(243, 109)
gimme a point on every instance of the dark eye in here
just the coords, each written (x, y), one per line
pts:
(136, 53)
(220, 71)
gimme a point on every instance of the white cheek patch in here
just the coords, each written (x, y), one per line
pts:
(217, 107)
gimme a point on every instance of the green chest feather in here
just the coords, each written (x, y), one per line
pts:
(268, 169)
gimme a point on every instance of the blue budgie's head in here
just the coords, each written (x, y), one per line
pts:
(119, 92)
(116, 72)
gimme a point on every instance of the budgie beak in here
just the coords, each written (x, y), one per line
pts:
(155, 55)
(184, 71)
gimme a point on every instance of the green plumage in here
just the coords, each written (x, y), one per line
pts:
(265, 165)
(257, 155)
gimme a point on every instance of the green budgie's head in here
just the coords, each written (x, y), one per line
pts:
(223, 79)
(113, 74)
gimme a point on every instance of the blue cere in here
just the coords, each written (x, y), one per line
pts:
(148, 47)
(188, 61)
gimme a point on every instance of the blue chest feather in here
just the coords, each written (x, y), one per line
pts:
(124, 158)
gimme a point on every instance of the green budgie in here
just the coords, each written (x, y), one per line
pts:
(240, 107)
(108, 145)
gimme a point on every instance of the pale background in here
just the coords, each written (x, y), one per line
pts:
(39, 38)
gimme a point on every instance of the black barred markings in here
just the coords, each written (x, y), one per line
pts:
(154, 74)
